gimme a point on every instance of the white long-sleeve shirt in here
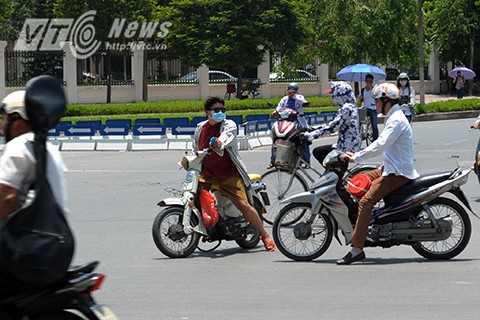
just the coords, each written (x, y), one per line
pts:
(395, 143)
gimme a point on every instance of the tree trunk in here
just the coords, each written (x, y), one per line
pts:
(421, 54)
(472, 51)
(145, 67)
(239, 82)
(109, 76)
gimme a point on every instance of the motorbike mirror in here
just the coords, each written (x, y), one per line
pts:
(45, 102)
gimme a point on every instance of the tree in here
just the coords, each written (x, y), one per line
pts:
(231, 34)
(453, 25)
(373, 31)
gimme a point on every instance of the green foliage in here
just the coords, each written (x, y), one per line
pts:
(107, 12)
(179, 107)
(190, 109)
(373, 31)
(452, 24)
(231, 34)
(449, 106)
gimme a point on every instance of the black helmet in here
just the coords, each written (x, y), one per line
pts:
(293, 86)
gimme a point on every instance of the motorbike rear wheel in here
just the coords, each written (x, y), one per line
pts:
(251, 240)
(459, 238)
(60, 315)
(168, 235)
(301, 234)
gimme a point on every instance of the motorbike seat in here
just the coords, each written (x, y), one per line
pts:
(29, 291)
(422, 182)
(254, 176)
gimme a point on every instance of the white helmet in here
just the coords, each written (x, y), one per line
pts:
(403, 75)
(387, 90)
(14, 103)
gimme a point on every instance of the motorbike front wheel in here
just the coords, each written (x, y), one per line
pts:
(461, 231)
(301, 234)
(168, 234)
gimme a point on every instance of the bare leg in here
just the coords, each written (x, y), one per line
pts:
(251, 215)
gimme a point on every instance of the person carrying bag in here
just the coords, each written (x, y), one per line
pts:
(36, 242)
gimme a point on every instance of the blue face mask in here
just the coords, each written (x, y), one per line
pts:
(219, 116)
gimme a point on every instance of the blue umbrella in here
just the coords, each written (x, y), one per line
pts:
(357, 73)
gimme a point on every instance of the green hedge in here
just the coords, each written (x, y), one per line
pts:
(175, 109)
(194, 108)
(449, 106)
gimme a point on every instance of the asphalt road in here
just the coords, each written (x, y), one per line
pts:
(113, 199)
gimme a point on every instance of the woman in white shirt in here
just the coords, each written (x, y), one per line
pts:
(407, 96)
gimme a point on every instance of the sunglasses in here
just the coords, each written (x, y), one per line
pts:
(217, 110)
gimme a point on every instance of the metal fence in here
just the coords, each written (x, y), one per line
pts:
(96, 70)
(21, 66)
(165, 67)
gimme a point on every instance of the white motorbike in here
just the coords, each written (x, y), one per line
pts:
(178, 228)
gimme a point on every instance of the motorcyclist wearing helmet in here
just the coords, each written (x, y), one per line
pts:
(395, 143)
(18, 171)
(407, 96)
(296, 102)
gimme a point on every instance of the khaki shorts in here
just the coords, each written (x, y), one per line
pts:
(232, 187)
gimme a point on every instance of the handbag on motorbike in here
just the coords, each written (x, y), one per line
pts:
(36, 242)
(209, 210)
(359, 185)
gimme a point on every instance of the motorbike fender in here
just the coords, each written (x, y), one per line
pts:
(171, 202)
(304, 197)
(461, 196)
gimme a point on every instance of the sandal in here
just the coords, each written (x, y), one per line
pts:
(270, 166)
(268, 242)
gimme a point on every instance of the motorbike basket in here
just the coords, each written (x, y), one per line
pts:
(362, 114)
(287, 154)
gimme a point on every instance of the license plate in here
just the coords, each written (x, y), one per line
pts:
(104, 313)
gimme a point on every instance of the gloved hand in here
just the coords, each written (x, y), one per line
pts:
(307, 136)
(214, 143)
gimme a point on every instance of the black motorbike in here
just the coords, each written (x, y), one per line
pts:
(69, 299)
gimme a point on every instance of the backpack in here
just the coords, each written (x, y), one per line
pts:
(36, 242)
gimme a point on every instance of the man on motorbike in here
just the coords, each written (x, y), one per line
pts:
(226, 169)
(345, 122)
(395, 143)
(293, 101)
(18, 172)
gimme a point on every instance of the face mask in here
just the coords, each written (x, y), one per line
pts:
(219, 116)
(403, 82)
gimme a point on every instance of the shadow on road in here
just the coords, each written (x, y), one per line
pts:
(381, 261)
